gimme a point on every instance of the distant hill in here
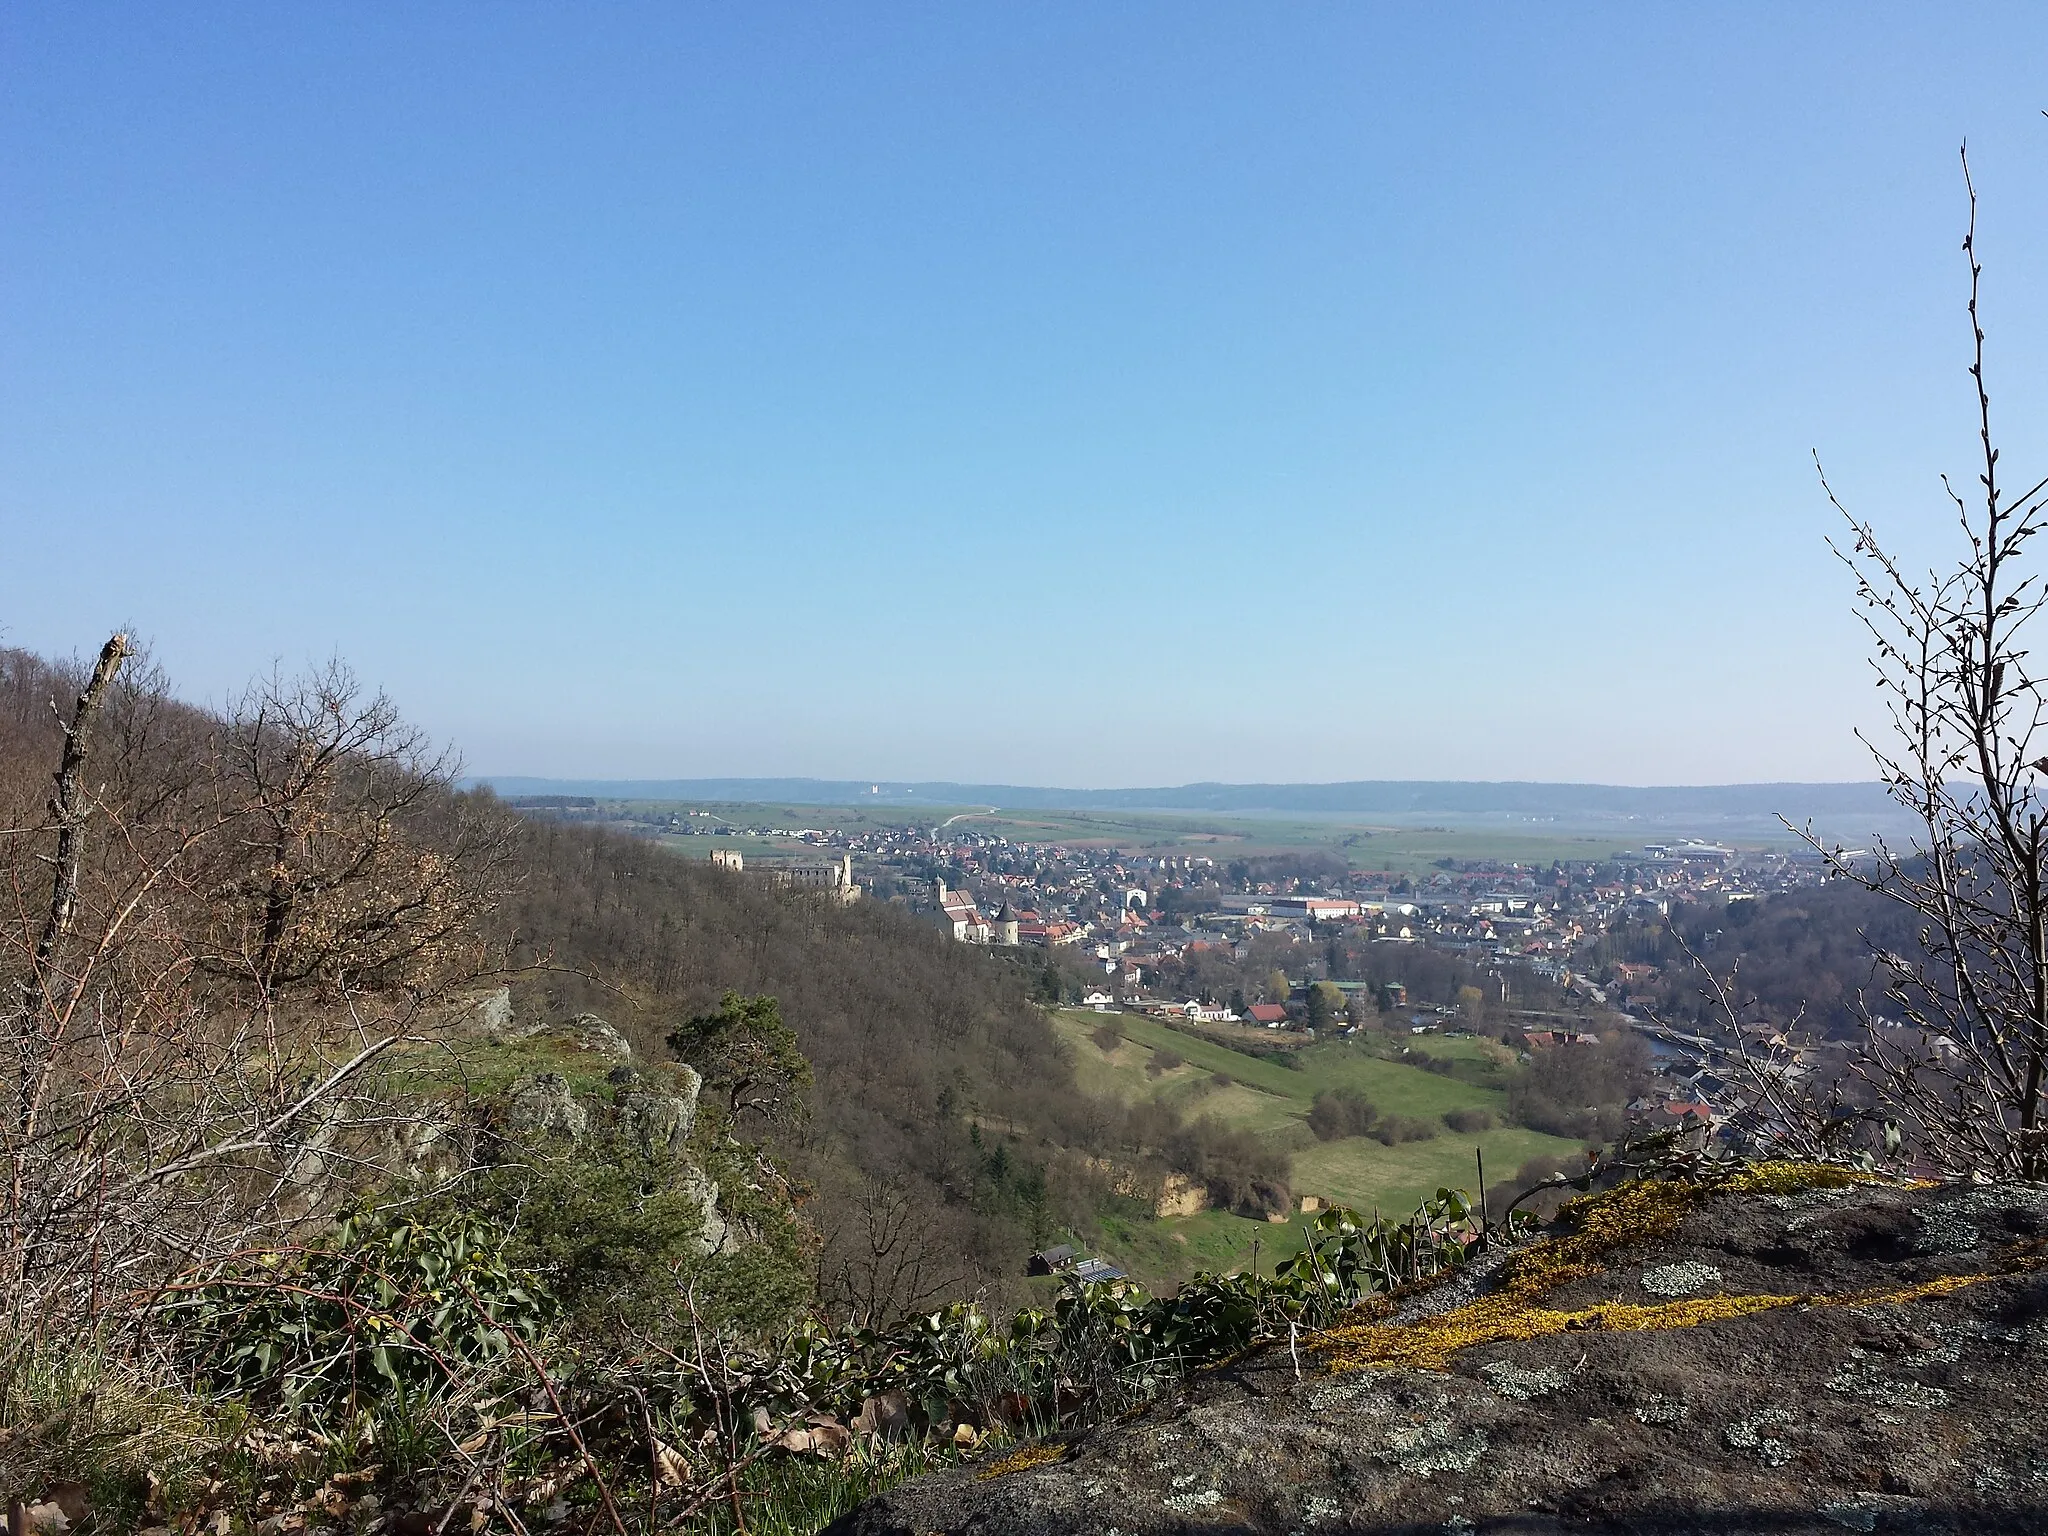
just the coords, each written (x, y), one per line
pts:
(1394, 798)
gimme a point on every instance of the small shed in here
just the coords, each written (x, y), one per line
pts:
(1050, 1261)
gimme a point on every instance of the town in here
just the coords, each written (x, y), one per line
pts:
(1543, 956)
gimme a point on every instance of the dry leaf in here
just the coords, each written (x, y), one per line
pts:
(669, 1466)
(44, 1518)
(329, 1500)
(72, 1498)
(830, 1438)
(887, 1415)
(1012, 1408)
(540, 1491)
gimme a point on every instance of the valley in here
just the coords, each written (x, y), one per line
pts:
(1271, 1094)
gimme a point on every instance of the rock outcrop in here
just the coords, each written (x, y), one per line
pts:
(587, 1032)
(661, 1122)
(655, 1109)
(544, 1106)
(1795, 1354)
(490, 1016)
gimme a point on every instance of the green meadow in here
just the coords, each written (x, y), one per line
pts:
(1272, 1097)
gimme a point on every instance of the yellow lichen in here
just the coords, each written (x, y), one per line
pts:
(1633, 1213)
(1787, 1178)
(1024, 1459)
(1431, 1344)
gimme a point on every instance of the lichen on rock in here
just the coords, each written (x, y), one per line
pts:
(1836, 1359)
(1683, 1279)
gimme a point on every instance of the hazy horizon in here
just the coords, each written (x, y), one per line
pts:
(1148, 396)
(501, 780)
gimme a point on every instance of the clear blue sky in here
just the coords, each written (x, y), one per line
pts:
(1068, 394)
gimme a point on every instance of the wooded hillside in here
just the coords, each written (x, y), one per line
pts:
(914, 1041)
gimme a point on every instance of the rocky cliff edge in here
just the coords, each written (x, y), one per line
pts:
(1796, 1351)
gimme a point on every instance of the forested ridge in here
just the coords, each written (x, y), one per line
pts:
(916, 1043)
(1809, 955)
(940, 1135)
(386, 1145)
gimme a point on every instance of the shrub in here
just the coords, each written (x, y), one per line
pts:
(1534, 1171)
(1341, 1112)
(612, 1232)
(1240, 1172)
(1393, 1129)
(1468, 1120)
(1107, 1037)
(1162, 1062)
(385, 1303)
(1580, 1091)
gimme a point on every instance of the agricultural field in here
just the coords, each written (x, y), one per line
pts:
(1397, 850)
(1272, 1095)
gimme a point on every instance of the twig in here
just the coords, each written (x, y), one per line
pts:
(547, 1385)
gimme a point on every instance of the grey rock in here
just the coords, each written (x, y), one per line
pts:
(308, 1170)
(660, 1122)
(430, 1148)
(545, 1105)
(1882, 1371)
(492, 1015)
(715, 1233)
(588, 1032)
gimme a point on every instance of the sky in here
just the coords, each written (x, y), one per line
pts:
(1065, 394)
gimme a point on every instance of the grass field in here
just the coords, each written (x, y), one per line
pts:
(1273, 1098)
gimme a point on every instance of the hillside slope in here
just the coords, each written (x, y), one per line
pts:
(913, 1040)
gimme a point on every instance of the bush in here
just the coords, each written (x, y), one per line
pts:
(386, 1303)
(613, 1233)
(1163, 1061)
(1393, 1129)
(1341, 1112)
(1240, 1172)
(1578, 1090)
(1107, 1037)
(1532, 1172)
(1468, 1121)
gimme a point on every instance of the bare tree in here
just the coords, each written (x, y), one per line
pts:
(212, 944)
(879, 1259)
(1958, 1065)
